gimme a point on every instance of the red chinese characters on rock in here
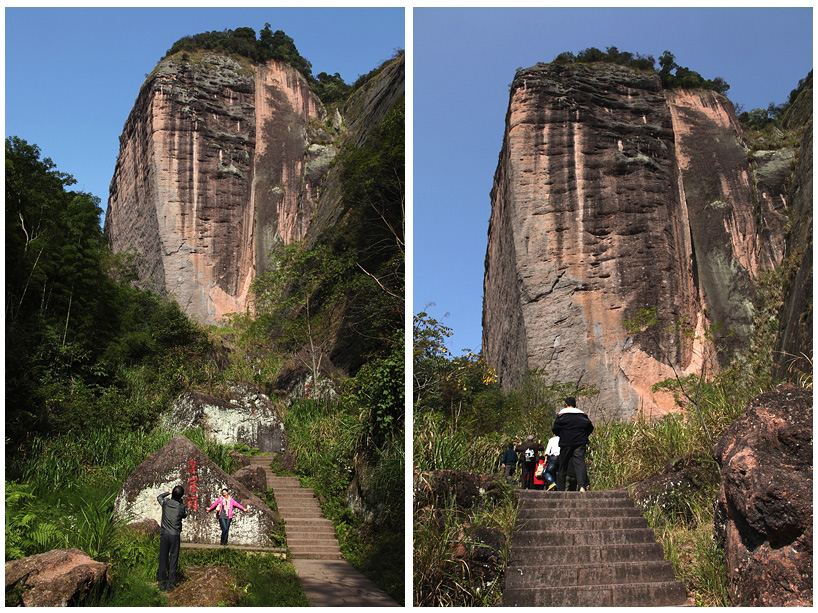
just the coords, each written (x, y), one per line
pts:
(192, 502)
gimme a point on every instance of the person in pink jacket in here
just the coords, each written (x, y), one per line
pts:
(225, 512)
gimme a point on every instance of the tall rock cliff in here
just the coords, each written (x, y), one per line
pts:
(613, 195)
(220, 161)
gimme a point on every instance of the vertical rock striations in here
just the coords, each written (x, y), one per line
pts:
(612, 195)
(219, 163)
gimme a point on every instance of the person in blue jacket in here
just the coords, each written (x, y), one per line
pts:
(509, 462)
(573, 427)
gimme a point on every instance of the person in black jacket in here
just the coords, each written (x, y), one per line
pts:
(528, 460)
(573, 427)
(173, 512)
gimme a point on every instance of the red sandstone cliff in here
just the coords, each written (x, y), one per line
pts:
(219, 162)
(612, 195)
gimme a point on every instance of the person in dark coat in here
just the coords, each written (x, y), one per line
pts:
(173, 512)
(528, 459)
(573, 427)
(509, 462)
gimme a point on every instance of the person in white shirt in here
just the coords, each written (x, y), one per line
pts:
(552, 455)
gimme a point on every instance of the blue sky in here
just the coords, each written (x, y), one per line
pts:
(73, 74)
(464, 60)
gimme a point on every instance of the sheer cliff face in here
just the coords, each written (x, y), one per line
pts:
(607, 198)
(219, 163)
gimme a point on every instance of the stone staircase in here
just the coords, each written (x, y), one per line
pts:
(309, 535)
(589, 549)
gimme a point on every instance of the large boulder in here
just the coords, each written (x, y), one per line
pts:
(252, 477)
(180, 462)
(682, 477)
(54, 579)
(764, 506)
(248, 417)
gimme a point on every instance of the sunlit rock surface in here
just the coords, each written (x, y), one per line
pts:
(613, 195)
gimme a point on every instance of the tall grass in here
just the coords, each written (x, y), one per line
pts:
(443, 576)
(438, 446)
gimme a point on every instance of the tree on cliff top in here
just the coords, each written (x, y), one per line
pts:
(683, 78)
(269, 46)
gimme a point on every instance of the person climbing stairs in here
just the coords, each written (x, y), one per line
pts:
(589, 549)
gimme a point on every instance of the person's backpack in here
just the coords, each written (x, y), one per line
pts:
(528, 454)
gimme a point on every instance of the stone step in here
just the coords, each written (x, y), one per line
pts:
(656, 594)
(528, 576)
(303, 529)
(293, 494)
(292, 490)
(586, 523)
(594, 554)
(525, 495)
(562, 537)
(275, 483)
(573, 503)
(310, 555)
(308, 523)
(583, 512)
(297, 501)
(318, 545)
(326, 539)
(300, 511)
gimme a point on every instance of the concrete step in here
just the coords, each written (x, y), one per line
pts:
(656, 594)
(593, 554)
(527, 576)
(581, 512)
(586, 523)
(561, 537)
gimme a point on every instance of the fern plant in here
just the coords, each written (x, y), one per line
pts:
(27, 531)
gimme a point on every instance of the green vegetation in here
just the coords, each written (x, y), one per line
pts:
(463, 421)
(441, 577)
(84, 349)
(330, 88)
(775, 115)
(672, 74)
(60, 493)
(611, 55)
(93, 361)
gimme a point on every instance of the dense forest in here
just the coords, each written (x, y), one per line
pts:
(92, 361)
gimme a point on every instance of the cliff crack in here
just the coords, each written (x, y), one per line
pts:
(549, 290)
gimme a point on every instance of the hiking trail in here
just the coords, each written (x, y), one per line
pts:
(589, 549)
(328, 580)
